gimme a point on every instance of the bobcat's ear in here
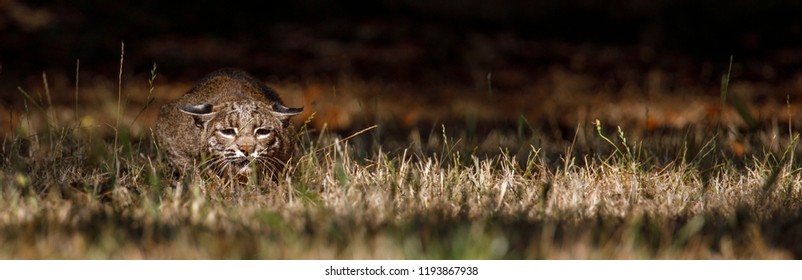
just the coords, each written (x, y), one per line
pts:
(201, 113)
(197, 110)
(284, 113)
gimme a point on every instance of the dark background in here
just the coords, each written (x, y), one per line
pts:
(311, 37)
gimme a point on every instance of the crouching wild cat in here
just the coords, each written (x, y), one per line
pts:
(229, 124)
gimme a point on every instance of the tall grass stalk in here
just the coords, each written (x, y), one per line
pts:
(116, 159)
(77, 75)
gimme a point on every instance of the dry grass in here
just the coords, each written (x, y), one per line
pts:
(661, 195)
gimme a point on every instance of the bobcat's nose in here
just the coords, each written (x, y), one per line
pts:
(246, 149)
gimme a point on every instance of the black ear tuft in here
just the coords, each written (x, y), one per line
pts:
(200, 113)
(286, 111)
(197, 110)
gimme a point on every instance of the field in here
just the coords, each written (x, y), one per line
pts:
(397, 176)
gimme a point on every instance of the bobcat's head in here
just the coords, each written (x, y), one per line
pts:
(242, 137)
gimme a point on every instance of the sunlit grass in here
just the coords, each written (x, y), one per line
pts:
(68, 191)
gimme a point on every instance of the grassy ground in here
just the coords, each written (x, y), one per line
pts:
(79, 182)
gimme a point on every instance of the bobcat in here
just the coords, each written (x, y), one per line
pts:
(228, 124)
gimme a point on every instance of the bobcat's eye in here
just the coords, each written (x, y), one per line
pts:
(227, 132)
(263, 131)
